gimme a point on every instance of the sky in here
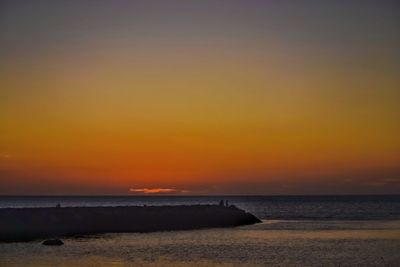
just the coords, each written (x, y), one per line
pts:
(199, 97)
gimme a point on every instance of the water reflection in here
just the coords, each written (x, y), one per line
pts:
(273, 243)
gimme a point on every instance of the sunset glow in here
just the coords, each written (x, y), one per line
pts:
(153, 190)
(199, 97)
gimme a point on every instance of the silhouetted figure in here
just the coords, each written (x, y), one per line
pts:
(58, 205)
(226, 203)
(221, 203)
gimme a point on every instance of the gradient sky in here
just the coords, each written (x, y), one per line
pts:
(199, 97)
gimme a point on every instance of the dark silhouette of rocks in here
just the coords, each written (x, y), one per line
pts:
(53, 242)
(24, 224)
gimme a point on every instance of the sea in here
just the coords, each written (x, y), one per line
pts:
(342, 230)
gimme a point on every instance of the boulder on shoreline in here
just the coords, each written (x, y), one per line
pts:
(53, 242)
(24, 224)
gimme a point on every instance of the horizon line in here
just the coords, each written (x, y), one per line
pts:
(180, 195)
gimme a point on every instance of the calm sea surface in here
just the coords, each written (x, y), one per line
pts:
(265, 207)
(296, 231)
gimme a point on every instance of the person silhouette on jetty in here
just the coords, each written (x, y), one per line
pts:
(225, 203)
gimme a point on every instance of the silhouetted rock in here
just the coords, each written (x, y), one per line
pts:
(53, 242)
(23, 224)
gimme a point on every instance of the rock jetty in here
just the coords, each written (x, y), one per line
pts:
(24, 224)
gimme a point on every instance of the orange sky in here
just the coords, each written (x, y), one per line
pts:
(219, 99)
